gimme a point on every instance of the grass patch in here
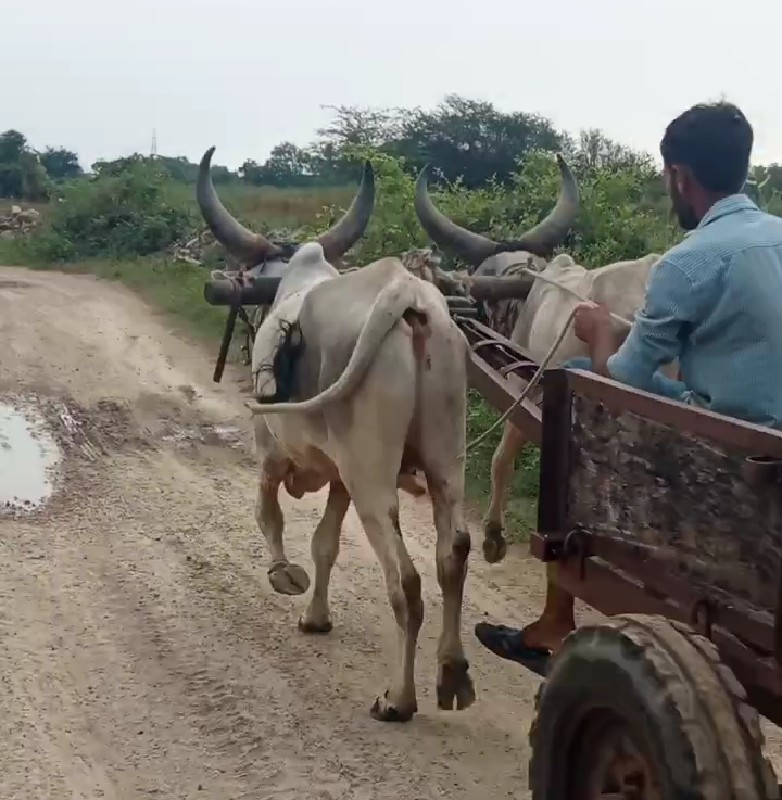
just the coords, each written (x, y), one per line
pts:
(268, 208)
(262, 208)
(14, 253)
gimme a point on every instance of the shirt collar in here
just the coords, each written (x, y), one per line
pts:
(731, 204)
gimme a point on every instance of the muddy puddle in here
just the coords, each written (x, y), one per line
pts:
(28, 458)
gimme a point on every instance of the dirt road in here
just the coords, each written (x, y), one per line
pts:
(142, 651)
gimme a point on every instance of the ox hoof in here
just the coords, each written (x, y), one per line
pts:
(455, 684)
(495, 547)
(310, 626)
(384, 711)
(287, 578)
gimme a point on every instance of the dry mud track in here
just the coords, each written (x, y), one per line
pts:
(143, 653)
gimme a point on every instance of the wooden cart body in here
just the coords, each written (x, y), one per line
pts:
(650, 506)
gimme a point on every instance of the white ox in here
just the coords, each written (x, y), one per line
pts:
(537, 320)
(377, 387)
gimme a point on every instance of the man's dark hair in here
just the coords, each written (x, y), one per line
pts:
(715, 141)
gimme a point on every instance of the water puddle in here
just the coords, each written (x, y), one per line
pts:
(28, 456)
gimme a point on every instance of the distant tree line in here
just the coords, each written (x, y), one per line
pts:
(467, 141)
(464, 139)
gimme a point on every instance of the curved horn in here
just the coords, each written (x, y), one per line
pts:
(474, 248)
(251, 248)
(338, 239)
(551, 231)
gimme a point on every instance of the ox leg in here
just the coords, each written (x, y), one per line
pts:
(453, 550)
(371, 482)
(371, 441)
(502, 465)
(284, 576)
(380, 518)
(325, 548)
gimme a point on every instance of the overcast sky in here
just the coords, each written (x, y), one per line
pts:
(97, 76)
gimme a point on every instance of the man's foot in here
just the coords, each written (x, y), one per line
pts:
(520, 645)
(508, 643)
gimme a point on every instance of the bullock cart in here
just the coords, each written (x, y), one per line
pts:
(667, 519)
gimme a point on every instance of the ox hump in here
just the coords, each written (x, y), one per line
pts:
(308, 253)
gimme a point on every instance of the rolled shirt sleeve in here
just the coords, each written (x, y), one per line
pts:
(655, 338)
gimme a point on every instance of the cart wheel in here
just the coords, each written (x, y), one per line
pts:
(640, 708)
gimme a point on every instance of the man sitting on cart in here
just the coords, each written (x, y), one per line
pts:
(714, 302)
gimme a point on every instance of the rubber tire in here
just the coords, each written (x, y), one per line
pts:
(668, 683)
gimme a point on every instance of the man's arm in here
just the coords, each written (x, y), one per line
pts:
(602, 346)
(656, 336)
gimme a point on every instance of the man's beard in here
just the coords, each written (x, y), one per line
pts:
(684, 213)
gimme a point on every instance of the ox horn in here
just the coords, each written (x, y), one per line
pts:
(474, 248)
(251, 248)
(350, 228)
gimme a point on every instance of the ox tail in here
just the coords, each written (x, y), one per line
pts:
(389, 307)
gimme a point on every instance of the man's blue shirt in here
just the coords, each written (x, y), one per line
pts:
(714, 302)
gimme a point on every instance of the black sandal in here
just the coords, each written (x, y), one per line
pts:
(508, 643)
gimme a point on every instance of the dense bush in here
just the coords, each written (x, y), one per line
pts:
(128, 212)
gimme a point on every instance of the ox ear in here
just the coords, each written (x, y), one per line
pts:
(250, 248)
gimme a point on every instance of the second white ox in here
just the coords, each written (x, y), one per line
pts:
(538, 319)
(371, 371)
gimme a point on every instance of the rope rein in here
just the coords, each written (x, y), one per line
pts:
(535, 380)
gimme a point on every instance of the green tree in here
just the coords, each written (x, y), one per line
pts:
(287, 165)
(353, 127)
(331, 164)
(13, 146)
(60, 164)
(22, 176)
(472, 140)
(467, 139)
(251, 172)
(596, 152)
